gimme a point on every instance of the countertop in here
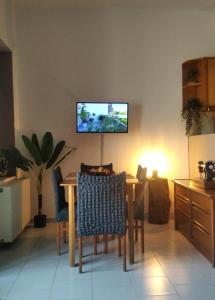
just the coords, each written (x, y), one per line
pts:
(187, 183)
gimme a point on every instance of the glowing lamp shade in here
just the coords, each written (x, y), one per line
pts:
(154, 161)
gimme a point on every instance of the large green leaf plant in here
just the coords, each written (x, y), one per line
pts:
(44, 155)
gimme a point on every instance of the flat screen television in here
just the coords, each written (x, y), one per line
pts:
(101, 117)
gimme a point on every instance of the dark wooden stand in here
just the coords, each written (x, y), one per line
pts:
(159, 201)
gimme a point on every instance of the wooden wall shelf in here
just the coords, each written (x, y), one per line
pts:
(198, 77)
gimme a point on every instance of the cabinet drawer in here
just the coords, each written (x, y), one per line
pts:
(182, 223)
(182, 191)
(202, 240)
(182, 205)
(202, 218)
(204, 203)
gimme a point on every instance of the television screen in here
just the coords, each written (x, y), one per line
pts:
(101, 117)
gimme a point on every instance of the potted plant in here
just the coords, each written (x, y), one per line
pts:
(191, 113)
(43, 157)
(192, 75)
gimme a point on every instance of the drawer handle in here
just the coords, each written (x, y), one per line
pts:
(181, 212)
(201, 228)
(200, 208)
(182, 198)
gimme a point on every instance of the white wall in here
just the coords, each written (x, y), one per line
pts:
(134, 55)
(6, 23)
(201, 147)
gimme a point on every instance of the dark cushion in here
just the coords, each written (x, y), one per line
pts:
(62, 215)
(59, 190)
(97, 170)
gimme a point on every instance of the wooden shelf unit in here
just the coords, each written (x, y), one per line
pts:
(202, 86)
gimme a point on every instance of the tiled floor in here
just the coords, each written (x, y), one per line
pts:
(171, 269)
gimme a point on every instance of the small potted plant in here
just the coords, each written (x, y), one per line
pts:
(191, 113)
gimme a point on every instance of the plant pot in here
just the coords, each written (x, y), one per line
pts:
(39, 221)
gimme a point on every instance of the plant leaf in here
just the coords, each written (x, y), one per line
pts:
(58, 149)
(32, 149)
(59, 161)
(14, 159)
(47, 147)
(19, 155)
(34, 140)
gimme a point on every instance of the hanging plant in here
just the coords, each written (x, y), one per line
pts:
(192, 113)
(192, 75)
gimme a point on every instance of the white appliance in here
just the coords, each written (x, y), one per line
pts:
(15, 208)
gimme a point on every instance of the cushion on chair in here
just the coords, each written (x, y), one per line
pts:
(97, 170)
(61, 206)
(101, 204)
(62, 215)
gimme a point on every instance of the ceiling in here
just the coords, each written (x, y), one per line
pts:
(203, 5)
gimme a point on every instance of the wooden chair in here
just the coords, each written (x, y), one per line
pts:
(101, 210)
(61, 207)
(139, 204)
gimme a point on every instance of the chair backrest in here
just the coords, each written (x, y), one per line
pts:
(101, 204)
(97, 170)
(139, 193)
(141, 173)
(59, 191)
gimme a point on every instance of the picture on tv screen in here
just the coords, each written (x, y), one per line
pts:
(102, 117)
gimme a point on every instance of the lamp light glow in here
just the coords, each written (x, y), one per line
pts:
(155, 161)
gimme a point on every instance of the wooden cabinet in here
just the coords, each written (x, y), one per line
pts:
(194, 216)
(182, 209)
(198, 76)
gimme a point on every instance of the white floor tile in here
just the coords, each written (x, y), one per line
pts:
(170, 269)
(77, 288)
(33, 286)
(113, 293)
(168, 297)
(5, 286)
(152, 286)
(184, 275)
(196, 292)
(146, 270)
(29, 295)
(110, 279)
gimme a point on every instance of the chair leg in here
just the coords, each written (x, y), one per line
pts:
(64, 232)
(95, 239)
(58, 238)
(80, 253)
(136, 230)
(105, 243)
(119, 245)
(142, 236)
(124, 253)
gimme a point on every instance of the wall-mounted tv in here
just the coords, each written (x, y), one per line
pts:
(102, 117)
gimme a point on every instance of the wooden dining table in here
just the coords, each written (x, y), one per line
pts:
(70, 182)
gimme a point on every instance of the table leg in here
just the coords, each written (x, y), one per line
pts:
(131, 192)
(71, 226)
